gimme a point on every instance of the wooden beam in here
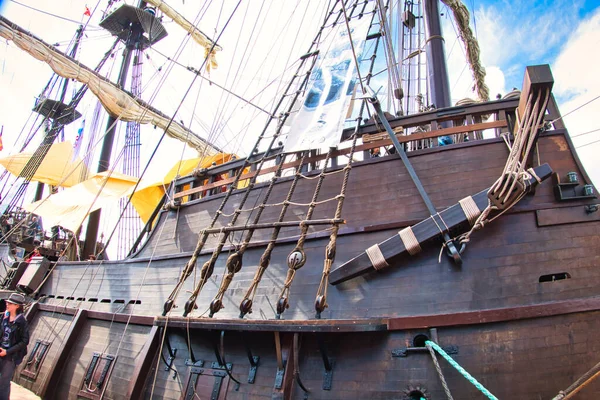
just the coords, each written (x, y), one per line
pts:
(480, 317)
(548, 309)
(33, 309)
(313, 325)
(50, 385)
(101, 315)
(441, 115)
(287, 386)
(565, 215)
(424, 231)
(143, 365)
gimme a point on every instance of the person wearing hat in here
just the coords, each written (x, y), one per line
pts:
(14, 338)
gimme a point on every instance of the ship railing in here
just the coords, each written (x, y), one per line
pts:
(462, 124)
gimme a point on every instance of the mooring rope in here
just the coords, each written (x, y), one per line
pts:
(433, 346)
(438, 368)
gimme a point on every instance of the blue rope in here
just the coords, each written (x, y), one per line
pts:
(461, 370)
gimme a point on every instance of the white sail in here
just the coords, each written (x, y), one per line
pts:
(116, 101)
(209, 47)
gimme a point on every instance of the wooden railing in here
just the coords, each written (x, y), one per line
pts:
(459, 123)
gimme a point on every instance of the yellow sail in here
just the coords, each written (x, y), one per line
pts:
(209, 47)
(116, 101)
(58, 168)
(70, 207)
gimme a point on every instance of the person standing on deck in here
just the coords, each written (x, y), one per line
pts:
(14, 341)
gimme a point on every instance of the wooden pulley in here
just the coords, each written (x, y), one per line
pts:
(215, 306)
(296, 259)
(398, 93)
(167, 307)
(282, 305)
(189, 306)
(320, 304)
(234, 263)
(245, 307)
(207, 270)
(500, 199)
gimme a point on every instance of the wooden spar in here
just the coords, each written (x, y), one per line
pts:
(424, 231)
(413, 175)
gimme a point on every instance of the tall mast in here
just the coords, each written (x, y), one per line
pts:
(56, 125)
(129, 24)
(437, 71)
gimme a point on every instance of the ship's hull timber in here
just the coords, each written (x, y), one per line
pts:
(521, 336)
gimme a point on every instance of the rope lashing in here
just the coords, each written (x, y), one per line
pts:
(440, 373)
(431, 345)
(509, 189)
(533, 174)
(470, 209)
(409, 240)
(376, 257)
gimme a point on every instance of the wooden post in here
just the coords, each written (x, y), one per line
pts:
(287, 387)
(30, 314)
(50, 385)
(143, 365)
(537, 79)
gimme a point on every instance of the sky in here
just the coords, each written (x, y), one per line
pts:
(511, 33)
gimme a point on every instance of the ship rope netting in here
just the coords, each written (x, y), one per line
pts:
(234, 263)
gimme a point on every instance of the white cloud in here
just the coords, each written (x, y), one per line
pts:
(508, 44)
(577, 82)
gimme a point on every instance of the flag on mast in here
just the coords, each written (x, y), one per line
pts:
(87, 12)
(1, 132)
(78, 140)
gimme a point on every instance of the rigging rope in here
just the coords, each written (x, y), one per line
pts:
(234, 261)
(190, 265)
(438, 368)
(297, 257)
(433, 346)
(246, 303)
(509, 188)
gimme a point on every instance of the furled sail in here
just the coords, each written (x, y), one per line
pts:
(210, 47)
(116, 101)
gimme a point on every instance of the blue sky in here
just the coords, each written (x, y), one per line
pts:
(562, 33)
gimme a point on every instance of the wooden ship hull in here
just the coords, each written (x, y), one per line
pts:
(340, 263)
(520, 314)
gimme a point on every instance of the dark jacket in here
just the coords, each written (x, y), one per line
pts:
(19, 337)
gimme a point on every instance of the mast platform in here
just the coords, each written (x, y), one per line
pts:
(119, 22)
(57, 111)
